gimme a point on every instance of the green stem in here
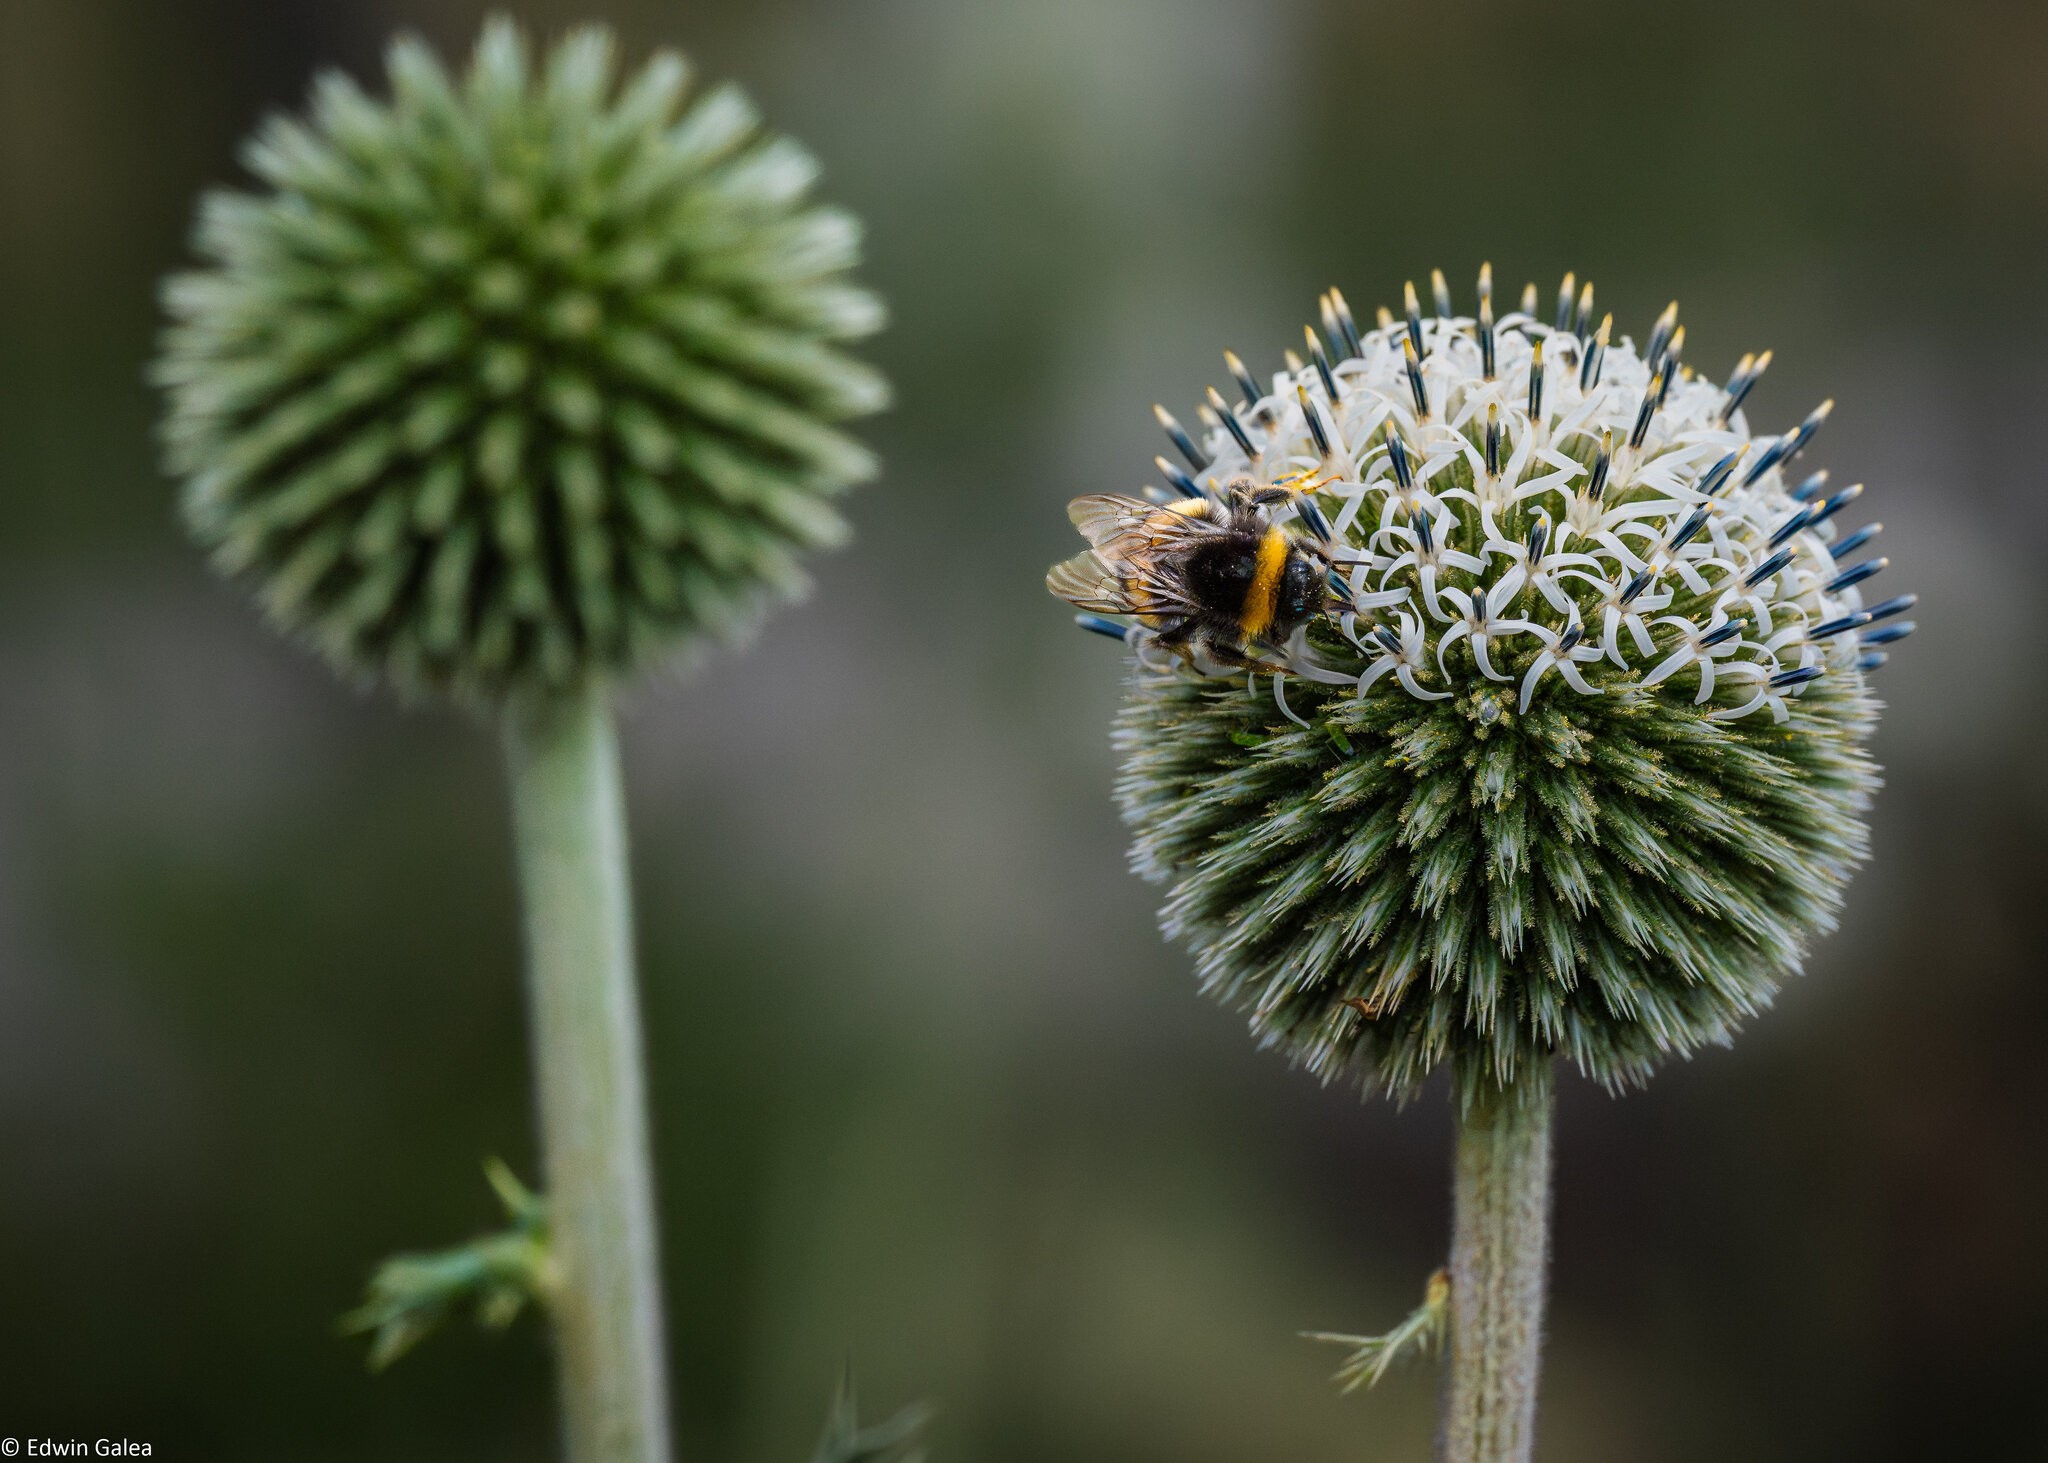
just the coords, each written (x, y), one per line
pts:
(1500, 1242)
(569, 827)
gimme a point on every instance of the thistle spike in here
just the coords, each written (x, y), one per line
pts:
(1770, 457)
(1327, 313)
(1486, 352)
(1397, 455)
(1589, 369)
(1584, 317)
(1314, 419)
(1688, 530)
(1565, 292)
(1768, 567)
(1354, 344)
(1413, 306)
(1747, 372)
(1414, 369)
(1178, 435)
(1829, 629)
(1493, 439)
(1179, 481)
(1536, 381)
(1847, 546)
(1315, 351)
(1807, 428)
(1791, 525)
(1442, 291)
(1243, 378)
(1603, 460)
(1671, 363)
(1828, 509)
(1660, 336)
(1857, 573)
(1716, 477)
(1220, 411)
(1102, 625)
(1529, 299)
(1652, 394)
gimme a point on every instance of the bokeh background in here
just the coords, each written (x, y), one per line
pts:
(931, 1094)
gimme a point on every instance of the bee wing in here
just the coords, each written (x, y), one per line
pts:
(1087, 583)
(1111, 521)
(1104, 516)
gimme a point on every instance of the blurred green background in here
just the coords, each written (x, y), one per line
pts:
(931, 1094)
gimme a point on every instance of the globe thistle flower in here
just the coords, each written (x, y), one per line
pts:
(519, 375)
(499, 388)
(1565, 759)
(1573, 764)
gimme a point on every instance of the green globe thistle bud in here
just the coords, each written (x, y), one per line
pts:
(516, 377)
(1565, 757)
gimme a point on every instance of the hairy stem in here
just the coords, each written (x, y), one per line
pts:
(1500, 1243)
(569, 827)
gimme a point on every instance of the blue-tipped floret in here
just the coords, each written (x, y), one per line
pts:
(1783, 680)
(1829, 629)
(1856, 574)
(1179, 481)
(1102, 625)
(1415, 387)
(1792, 525)
(1178, 435)
(1716, 477)
(1228, 419)
(1768, 567)
(1831, 506)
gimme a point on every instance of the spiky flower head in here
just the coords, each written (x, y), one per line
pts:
(517, 376)
(1573, 764)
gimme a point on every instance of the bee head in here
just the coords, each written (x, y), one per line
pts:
(1301, 590)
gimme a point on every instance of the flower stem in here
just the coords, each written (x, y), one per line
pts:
(569, 828)
(1500, 1243)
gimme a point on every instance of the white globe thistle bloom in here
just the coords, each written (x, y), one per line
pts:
(1569, 763)
(1469, 467)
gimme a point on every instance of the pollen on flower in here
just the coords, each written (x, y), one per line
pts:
(1571, 762)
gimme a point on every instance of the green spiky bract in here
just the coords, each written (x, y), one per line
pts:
(1615, 880)
(518, 376)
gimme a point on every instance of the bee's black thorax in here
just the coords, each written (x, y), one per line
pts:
(1219, 571)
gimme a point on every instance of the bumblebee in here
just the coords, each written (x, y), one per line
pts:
(1208, 578)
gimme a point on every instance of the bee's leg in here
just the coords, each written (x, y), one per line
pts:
(1177, 634)
(1238, 658)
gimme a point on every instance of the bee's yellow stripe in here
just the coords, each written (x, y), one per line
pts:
(1262, 595)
